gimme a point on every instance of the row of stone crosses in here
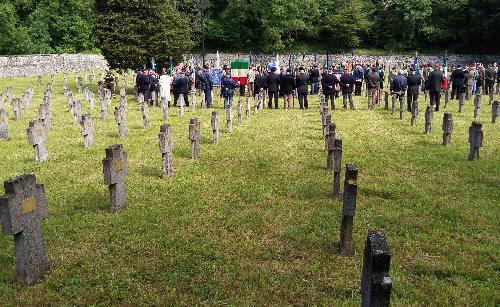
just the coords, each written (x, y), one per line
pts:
(23, 208)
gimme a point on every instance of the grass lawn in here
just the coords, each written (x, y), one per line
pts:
(252, 221)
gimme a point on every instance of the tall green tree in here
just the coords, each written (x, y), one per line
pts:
(130, 32)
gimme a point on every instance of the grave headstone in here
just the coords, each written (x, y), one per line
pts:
(495, 111)
(376, 284)
(348, 210)
(87, 125)
(154, 100)
(115, 169)
(215, 127)
(394, 98)
(40, 80)
(123, 92)
(428, 120)
(22, 209)
(145, 114)
(104, 108)
(447, 128)
(44, 114)
(330, 145)
(10, 94)
(446, 98)
(477, 105)
(195, 137)
(414, 114)
(37, 136)
(1, 101)
(401, 109)
(4, 125)
(229, 119)
(386, 100)
(181, 104)
(326, 119)
(247, 110)
(16, 107)
(164, 108)
(475, 140)
(461, 97)
(337, 166)
(240, 112)
(491, 96)
(193, 100)
(121, 121)
(166, 141)
(77, 111)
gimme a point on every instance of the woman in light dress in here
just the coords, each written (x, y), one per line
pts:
(165, 82)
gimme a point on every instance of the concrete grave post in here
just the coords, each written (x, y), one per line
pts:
(229, 118)
(16, 107)
(215, 127)
(475, 140)
(247, 110)
(446, 98)
(330, 145)
(348, 210)
(461, 97)
(181, 104)
(376, 284)
(121, 121)
(414, 114)
(386, 100)
(145, 114)
(477, 105)
(428, 120)
(4, 125)
(115, 169)
(77, 109)
(194, 136)
(166, 142)
(447, 128)
(22, 210)
(240, 112)
(164, 108)
(337, 166)
(495, 111)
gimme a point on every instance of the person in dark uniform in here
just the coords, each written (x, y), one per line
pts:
(301, 82)
(347, 82)
(329, 83)
(259, 83)
(457, 79)
(414, 82)
(109, 80)
(314, 78)
(181, 87)
(272, 85)
(287, 87)
(435, 80)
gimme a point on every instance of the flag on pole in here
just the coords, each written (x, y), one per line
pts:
(277, 64)
(217, 63)
(171, 67)
(445, 71)
(416, 65)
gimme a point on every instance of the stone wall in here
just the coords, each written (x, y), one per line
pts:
(32, 65)
(309, 59)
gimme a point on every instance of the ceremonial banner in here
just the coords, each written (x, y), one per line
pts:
(216, 76)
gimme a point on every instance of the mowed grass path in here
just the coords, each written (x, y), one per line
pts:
(252, 221)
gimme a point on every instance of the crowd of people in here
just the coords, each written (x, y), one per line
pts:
(345, 79)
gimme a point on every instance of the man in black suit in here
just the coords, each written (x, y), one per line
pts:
(301, 82)
(259, 83)
(143, 85)
(181, 87)
(272, 85)
(414, 82)
(347, 85)
(314, 76)
(329, 83)
(435, 80)
(457, 79)
(287, 87)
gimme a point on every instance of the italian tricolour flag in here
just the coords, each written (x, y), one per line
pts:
(239, 71)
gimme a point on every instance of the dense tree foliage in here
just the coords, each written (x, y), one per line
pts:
(131, 32)
(39, 26)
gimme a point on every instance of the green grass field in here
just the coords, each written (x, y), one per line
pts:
(252, 221)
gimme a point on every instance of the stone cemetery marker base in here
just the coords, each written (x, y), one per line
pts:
(115, 169)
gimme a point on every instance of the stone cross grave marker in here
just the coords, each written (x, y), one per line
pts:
(22, 209)
(16, 106)
(475, 140)
(4, 125)
(491, 95)
(337, 166)
(414, 114)
(77, 109)
(394, 98)
(215, 127)
(256, 105)
(123, 92)
(401, 109)
(121, 121)
(477, 105)
(203, 100)
(164, 108)
(376, 284)
(40, 80)
(428, 120)
(495, 111)
(386, 100)
(115, 169)
(181, 104)
(326, 119)
(107, 96)
(37, 136)
(194, 136)
(348, 210)
(87, 125)
(45, 115)
(145, 114)
(1, 101)
(330, 146)
(166, 141)
(10, 94)
(447, 128)
(104, 108)
(154, 99)
(193, 100)
(446, 98)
